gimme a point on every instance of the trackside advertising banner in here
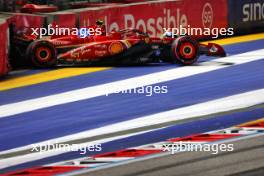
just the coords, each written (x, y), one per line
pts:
(152, 17)
(27, 20)
(246, 15)
(62, 19)
(4, 68)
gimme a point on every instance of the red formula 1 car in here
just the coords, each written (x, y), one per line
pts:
(124, 47)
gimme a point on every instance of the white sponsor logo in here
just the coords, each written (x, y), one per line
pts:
(102, 46)
(253, 12)
(100, 53)
(84, 51)
(154, 26)
(207, 15)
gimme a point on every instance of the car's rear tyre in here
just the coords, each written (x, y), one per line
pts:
(42, 54)
(185, 50)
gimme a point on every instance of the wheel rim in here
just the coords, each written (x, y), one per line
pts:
(187, 50)
(43, 54)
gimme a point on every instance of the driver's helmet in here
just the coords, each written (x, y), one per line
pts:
(168, 34)
(99, 22)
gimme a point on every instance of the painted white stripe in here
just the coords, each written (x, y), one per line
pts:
(242, 100)
(12, 161)
(99, 90)
(78, 160)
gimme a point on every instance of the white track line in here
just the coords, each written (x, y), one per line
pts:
(229, 103)
(100, 90)
(12, 161)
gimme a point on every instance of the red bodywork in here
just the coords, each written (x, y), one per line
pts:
(95, 47)
(33, 8)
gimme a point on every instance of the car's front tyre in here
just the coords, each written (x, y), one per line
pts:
(185, 50)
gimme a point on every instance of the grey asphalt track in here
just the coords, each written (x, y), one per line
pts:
(247, 159)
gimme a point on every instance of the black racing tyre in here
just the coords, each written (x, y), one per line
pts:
(185, 50)
(42, 54)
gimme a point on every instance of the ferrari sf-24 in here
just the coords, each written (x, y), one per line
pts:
(123, 47)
